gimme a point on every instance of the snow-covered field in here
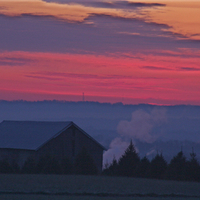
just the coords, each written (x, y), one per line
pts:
(60, 187)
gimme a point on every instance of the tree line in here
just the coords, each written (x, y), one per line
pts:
(130, 164)
(48, 164)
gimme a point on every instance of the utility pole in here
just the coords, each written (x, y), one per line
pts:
(83, 97)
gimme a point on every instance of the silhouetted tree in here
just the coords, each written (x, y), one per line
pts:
(30, 166)
(177, 167)
(193, 168)
(112, 169)
(5, 167)
(143, 168)
(48, 165)
(128, 162)
(84, 163)
(15, 167)
(158, 167)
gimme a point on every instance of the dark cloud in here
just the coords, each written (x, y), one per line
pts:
(189, 69)
(59, 76)
(122, 4)
(13, 61)
(111, 4)
(43, 77)
(195, 35)
(154, 68)
(16, 59)
(47, 35)
(4, 63)
(139, 4)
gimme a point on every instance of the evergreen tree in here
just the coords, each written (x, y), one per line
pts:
(177, 167)
(128, 162)
(84, 163)
(143, 168)
(112, 169)
(193, 169)
(158, 167)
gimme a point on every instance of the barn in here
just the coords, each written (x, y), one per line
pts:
(20, 140)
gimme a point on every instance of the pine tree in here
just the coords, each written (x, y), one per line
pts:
(143, 168)
(193, 168)
(177, 167)
(128, 162)
(158, 167)
(112, 169)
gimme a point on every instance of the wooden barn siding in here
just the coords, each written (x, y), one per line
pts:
(59, 146)
(62, 146)
(15, 155)
(93, 148)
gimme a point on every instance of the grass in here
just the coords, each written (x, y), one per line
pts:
(15, 186)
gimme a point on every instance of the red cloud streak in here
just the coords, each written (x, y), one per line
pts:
(173, 78)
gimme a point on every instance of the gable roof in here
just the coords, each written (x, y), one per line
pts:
(31, 135)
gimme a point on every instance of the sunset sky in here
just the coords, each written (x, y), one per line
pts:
(132, 52)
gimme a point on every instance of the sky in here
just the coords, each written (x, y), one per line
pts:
(132, 52)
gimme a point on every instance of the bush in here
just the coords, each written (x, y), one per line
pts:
(84, 163)
(5, 167)
(30, 166)
(48, 165)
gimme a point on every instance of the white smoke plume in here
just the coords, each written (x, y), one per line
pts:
(141, 125)
(117, 148)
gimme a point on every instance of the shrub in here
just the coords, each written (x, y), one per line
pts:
(84, 163)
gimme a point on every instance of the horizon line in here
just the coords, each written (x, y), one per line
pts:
(85, 102)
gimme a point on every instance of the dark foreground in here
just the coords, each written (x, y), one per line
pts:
(74, 187)
(41, 197)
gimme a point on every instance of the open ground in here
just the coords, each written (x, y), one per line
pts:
(71, 187)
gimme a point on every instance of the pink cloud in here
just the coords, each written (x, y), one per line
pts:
(109, 78)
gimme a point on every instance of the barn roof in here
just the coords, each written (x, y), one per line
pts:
(30, 135)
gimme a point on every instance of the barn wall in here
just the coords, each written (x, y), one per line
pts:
(59, 146)
(83, 141)
(69, 143)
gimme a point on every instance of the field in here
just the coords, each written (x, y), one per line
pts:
(71, 187)
(39, 197)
